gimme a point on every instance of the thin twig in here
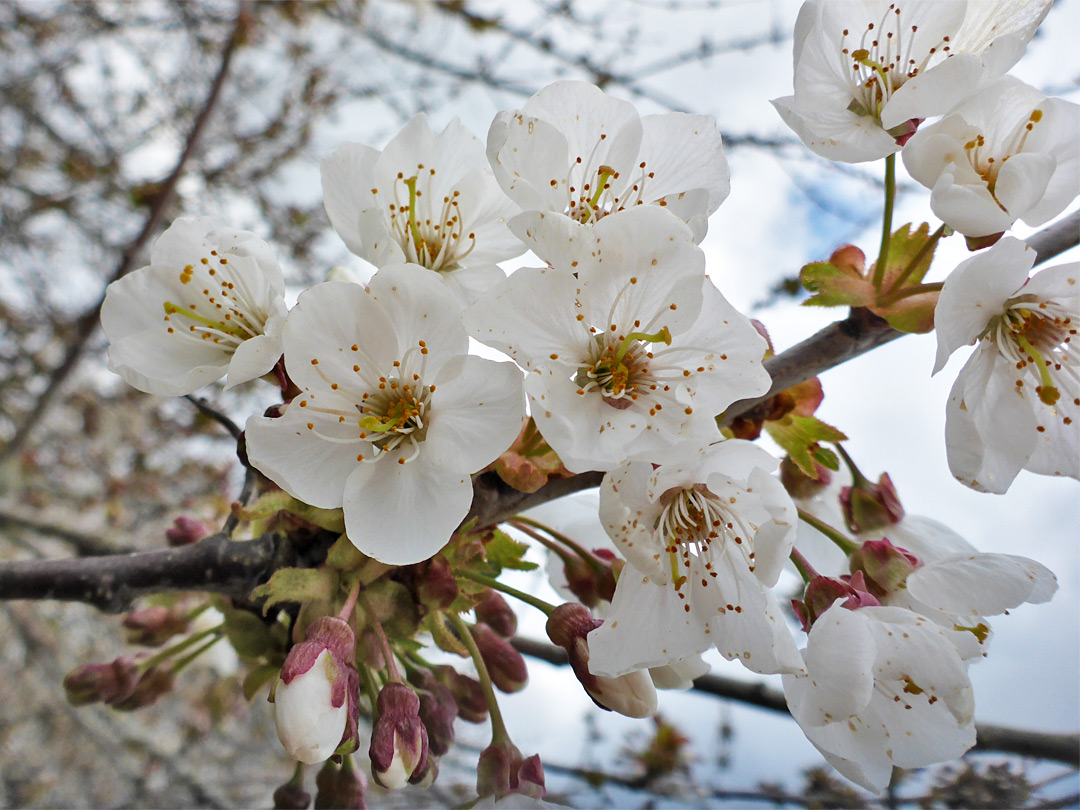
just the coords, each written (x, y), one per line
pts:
(210, 412)
(87, 323)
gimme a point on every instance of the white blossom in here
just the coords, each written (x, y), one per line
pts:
(868, 71)
(574, 150)
(210, 304)
(1007, 153)
(627, 344)
(706, 535)
(1016, 403)
(393, 415)
(884, 687)
(309, 725)
(425, 199)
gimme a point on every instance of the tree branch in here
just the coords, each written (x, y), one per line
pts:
(87, 323)
(1057, 747)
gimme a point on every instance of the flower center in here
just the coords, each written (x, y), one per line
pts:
(430, 231)
(693, 521)
(988, 165)
(885, 58)
(1037, 336)
(392, 415)
(217, 305)
(594, 191)
(619, 369)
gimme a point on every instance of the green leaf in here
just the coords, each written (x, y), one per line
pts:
(248, 634)
(344, 556)
(799, 437)
(502, 551)
(297, 585)
(259, 677)
(904, 247)
(443, 634)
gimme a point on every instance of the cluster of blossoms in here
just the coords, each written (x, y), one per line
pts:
(627, 356)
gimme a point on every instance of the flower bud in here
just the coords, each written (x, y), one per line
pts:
(504, 664)
(153, 626)
(291, 796)
(101, 683)
(152, 684)
(438, 710)
(426, 776)
(800, 485)
(885, 566)
(468, 693)
(186, 531)
(341, 788)
(871, 506)
(632, 694)
(501, 771)
(821, 592)
(399, 743)
(493, 611)
(436, 587)
(315, 700)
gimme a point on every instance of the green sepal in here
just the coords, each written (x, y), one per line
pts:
(259, 677)
(800, 436)
(835, 287)
(443, 634)
(297, 585)
(344, 556)
(247, 633)
(269, 506)
(393, 607)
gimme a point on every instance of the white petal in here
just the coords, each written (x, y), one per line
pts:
(402, 514)
(837, 135)
(347, 181)
(476, 413)
(981, 584)
(253, 358)
(647, 626)
(684, 152)
(840, 654)
(309, 726)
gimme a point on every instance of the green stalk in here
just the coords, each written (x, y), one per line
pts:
(520, 522)
(179, 647)
(802, 565)
(847, 545)
(179, 666)
(918, 289)
(886, 220)
(494, 584)
(499, 733)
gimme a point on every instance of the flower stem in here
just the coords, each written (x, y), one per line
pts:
(179, 647)
(499, 733)
(886, 220)
(931, 242)
(350, 603)
(179, 666)
(391, 662)
(803, 566)
(520, 522)
(857, 478)
(494, 584)
(846, 544)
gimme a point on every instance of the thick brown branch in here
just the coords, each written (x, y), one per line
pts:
(1057, 747)
(216, 564)
(87, 323)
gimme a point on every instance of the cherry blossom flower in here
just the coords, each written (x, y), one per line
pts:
(1016, 403)
(868, 71)
(574, 150)
(1007, 153)
(210, 304)
(884, 687)
(425, 199)
(706, 535)
(628, 345)
(393, 414)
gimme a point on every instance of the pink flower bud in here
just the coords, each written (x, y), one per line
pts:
(493, 611)
(438, 710)
(469, 695)
(399, 742)
(871, 506)
(884, 566)
(186, 531)
(501, 771)
(291, 796)
(153, 626)
(101, 683)
(821, 592)
(505, 664)
(799, 484)
(341, 788)
(632, 695)
(152, 684)
(315, 700)
(435, 584)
